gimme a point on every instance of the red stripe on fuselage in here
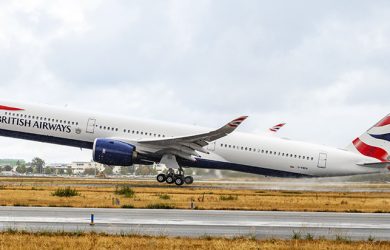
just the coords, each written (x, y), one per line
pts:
(370, 151)
(9, 108)
(385, 121)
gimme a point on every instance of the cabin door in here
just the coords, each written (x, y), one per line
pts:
(91, 125)
(322, 158)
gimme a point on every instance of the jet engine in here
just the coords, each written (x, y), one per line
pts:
(113, 152)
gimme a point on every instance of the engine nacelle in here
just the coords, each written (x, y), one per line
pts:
(113, 152)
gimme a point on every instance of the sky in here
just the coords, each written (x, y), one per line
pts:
(323, 67)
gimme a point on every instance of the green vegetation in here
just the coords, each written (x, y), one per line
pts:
(65, 192)
(124, 190)
(160, 206)
(128, 206)
(296, 235)
(228, 198)
(164, 197)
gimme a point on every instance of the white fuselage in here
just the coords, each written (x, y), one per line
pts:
(245, 152)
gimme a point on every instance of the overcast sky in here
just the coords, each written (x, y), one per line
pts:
(321, 66)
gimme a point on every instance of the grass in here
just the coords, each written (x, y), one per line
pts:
(228, 197)
(66, 192)
(125, 190)
(78, 240)
(164, 197)
(160, 206)
(101, 193)
(127, 206)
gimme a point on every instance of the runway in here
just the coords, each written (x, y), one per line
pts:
(197, 223)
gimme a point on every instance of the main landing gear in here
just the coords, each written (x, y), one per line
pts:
(178, 178)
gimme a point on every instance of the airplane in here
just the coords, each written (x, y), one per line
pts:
(121, 141)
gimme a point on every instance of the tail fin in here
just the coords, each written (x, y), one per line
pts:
(375, 142)
(276, 128)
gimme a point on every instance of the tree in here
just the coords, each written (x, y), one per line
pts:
(61, 171)
(145, 170)
(89, 171)
(21, 169)
(69, 170)
(29, 170)
(49, 170)
(125, 170)
(7, 168)
(108, 170)
(37, 164)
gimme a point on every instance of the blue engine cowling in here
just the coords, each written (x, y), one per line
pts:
(114, 153)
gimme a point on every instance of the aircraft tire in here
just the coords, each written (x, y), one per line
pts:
(161, 178)
(170, 179)
(189, 180)
(179, 181)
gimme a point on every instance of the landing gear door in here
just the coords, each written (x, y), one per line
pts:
(211, 146)
(322, 158)
(91, 125)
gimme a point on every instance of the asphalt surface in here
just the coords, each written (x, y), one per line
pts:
(198, 223)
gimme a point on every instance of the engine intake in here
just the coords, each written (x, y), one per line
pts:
(113, 152)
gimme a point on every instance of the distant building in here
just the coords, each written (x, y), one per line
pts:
(78, 167)
(58, 166)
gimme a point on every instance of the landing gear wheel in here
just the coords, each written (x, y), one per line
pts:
(161, 177)
(188, 180)
(179, 181)
(170, 179)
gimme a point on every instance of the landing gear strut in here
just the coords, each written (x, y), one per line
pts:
(178, 178)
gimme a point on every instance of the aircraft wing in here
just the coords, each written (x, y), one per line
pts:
(186, 146)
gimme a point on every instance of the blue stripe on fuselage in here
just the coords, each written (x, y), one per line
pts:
(204, 163)
(46, 138)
